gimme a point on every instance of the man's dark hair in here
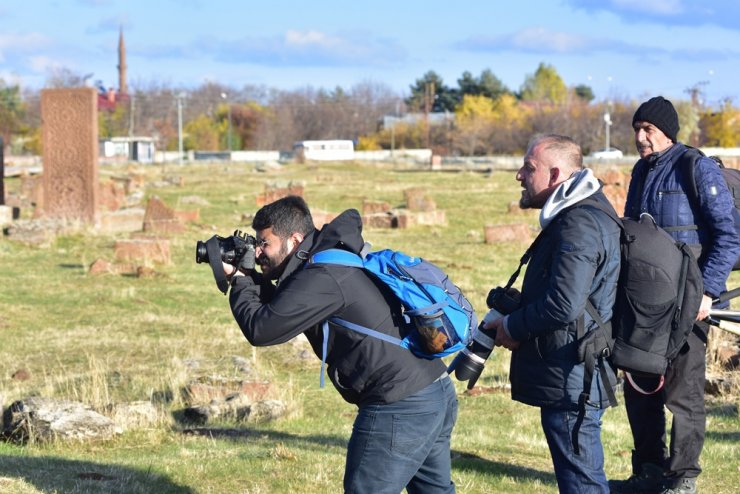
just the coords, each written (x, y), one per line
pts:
(287, 215)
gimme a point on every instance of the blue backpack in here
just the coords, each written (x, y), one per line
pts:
(440, 320)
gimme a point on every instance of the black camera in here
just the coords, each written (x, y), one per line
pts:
(469, 363)
(237, 250)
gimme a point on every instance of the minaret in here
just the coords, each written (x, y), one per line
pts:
(122, 88)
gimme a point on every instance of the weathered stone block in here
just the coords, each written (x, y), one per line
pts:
(435, 217)
(111, 196)
(417, 200)
(44, 419)
(101, 266)
(160, 218)
(141, 249)
(123, 220)
(507, 233)
(174, 225)
(374, 207)
(6, 215)
(320, 218)
(69, 123)
(188, 216)
(272, 193)
(377, 220)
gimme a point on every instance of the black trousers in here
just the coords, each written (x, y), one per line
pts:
(683, 395)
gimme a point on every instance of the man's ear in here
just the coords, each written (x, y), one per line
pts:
(554, 176)
(296, 238)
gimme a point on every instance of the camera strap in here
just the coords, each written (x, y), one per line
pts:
(525, 259)
(214, 259)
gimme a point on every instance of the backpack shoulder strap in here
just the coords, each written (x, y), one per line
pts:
(687, 167)
(595, 203)
(337, 256)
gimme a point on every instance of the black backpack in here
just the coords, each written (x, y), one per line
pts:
(658, 296)
(687, 164)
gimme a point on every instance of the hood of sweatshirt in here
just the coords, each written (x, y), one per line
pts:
(579, 186)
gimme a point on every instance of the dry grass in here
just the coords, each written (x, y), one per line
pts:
(108, 339)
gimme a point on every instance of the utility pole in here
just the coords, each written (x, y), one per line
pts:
(132, 108)
(429, 94)
(228, 106)
(393, 128)
(2, 171)
(180, 96)
(607, 123)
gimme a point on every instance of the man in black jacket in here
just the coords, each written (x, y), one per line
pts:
(407, 405)
(575, 260)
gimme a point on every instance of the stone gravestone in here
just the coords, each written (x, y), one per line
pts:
(69, 121)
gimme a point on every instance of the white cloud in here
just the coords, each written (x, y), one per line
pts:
(41, 64)
(660, 7)
(536, 38)
(309, 38)
(22, 42)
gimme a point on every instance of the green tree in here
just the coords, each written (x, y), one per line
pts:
(545, 85)
(12, 110)
(431, 90)
(487, 84)
(584, 92)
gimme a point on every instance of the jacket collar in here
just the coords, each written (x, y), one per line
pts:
(668, 155)
(299, 257)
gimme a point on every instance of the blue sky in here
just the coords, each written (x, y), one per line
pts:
(627, 49)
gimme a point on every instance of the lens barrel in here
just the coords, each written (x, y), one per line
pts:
(470, 362)
(201, 252)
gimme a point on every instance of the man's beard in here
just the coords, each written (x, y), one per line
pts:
(274, 267)
(525, 201)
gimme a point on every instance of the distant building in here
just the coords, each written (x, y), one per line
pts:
(330, 150)
(435, 118)
(139, 149)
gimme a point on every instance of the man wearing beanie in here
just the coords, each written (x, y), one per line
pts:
(658, 187)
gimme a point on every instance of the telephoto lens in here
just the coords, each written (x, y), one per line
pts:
(470, 362)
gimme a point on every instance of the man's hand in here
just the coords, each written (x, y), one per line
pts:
(502, 339)
(230, 270)
(704, 308)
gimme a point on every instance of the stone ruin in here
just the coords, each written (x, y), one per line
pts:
(69, 122)
(246, 399)
(68, 194)
(419, 209)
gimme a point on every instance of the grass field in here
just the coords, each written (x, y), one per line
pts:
(114, 338)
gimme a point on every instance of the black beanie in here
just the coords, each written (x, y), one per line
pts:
(659, 112)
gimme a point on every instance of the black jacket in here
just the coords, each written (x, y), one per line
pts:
(576, 259)
(364, 369)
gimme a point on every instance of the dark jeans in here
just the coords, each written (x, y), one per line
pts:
(683, 395)
(582, 473)
(405, 444)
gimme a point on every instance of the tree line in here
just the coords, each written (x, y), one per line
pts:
(481, 116)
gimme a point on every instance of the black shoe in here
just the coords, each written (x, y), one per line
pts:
(648, 481)
(682, 486)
